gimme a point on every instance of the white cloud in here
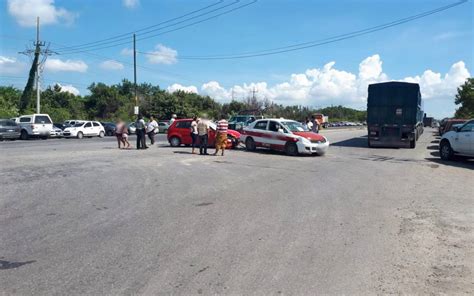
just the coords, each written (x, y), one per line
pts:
(57, 65)
(69, 88)
(26, 11)
(162, 55)
(328, 85)
(177, 86)
(111, 65)
(10, 65)
(130, 3)
(126, 52)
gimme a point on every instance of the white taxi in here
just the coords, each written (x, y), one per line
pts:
(284, 135)
(84, 129)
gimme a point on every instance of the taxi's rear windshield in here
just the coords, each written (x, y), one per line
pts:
(42, 119)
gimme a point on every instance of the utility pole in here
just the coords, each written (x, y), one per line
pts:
(253, 93)
(37, 52)
(135, 73)
(34, 74)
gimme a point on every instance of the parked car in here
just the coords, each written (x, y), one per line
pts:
(448, 125)
(163, 126)
(56, 131)
(85, 129)
(109, 128)
(132, 129)
(238, 122)
(179, 134)
(459, 141)
(9, 129)
(284, 135)
(35, 125)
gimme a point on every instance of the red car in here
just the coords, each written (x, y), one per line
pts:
(179, 133)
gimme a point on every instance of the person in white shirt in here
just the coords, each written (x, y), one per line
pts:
(151, 129)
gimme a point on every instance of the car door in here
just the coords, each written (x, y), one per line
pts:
(260, 134)
(88, 130)
(465, 138)
(95, 128)
(276, 138)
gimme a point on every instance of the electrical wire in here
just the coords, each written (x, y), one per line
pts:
(320, 42)
(165, 32)
(142, 29)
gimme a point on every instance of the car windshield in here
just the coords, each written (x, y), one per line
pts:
(294, 126)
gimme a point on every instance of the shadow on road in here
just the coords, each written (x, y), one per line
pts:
(359, 142)
(432, 147)
(457, 161)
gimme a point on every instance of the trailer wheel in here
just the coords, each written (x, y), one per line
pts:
(413, 142)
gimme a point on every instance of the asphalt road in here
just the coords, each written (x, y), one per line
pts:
(80, 217)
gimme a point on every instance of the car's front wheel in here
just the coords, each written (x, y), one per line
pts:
(291, 149)
(101, 134)
(175, 142)
(445, 150)
(234, 142)
(80, 135)
(250, 144)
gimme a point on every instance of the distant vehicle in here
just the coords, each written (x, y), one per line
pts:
(447, 125)
(459, 141)
(56, 132)
(163, 126)
(9, 129)
(179, 134)
(428, 121)
(284, 135)
(240, 121)
(59, 125)
(109, 128)
(394, 114)
(85, 129)
(35, 125)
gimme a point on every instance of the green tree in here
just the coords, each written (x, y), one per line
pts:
(9, 98)
(465, 98)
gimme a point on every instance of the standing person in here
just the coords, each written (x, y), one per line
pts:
(203, 131)
(194, 133)
(221, 137)
(173, 118)
(315, 125)
(151, 129)
(118, 132)
(140, 130)
(124, 133)
(309, 124)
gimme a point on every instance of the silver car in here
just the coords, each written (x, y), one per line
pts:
(9, 129)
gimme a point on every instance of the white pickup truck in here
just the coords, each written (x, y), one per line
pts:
(35, 125)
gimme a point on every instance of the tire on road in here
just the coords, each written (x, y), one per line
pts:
(101, 134)
(413, 142)
(250, 144)
(445, 150)
(175, 142)
(80, 135)
(291, 149)
(24, 135)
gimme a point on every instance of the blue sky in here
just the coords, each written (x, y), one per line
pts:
(436, 51)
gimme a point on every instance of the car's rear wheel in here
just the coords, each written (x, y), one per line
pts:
(445, 150)
(109, 133)
(101, 134)
(175, 142)
(80, 135)
(250, 144)
(291, 149)
(24, 135)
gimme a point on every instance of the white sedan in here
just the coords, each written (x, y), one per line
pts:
(458, 141)
(284, 135)
(85, 129)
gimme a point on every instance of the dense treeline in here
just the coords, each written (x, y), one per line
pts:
(110, 102)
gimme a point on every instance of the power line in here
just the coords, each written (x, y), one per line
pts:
(139, 30)
(320, 42)
(171, 30)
